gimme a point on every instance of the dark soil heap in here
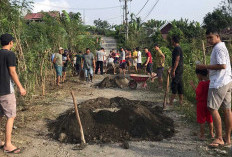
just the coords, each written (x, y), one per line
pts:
(113, 82)
(114, 120)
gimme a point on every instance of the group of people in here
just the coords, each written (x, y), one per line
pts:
(211, 94)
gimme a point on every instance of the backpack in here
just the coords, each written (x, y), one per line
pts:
(52, 57)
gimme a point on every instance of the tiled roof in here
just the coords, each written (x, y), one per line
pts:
(38, 16)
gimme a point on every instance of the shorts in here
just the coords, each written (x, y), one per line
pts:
(135, 63)
(177, 85)
(160, 72)
(149, 68)
(58, 70)
(139, 65)
(64, 69)
(88, 71)
(111, 64)
(8, 105)
(122, 65)
(203, 114)
(220, 97)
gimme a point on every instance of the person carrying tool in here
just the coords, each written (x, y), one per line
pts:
(176, 71)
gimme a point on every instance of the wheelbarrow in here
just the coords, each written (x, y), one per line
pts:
(137, 79)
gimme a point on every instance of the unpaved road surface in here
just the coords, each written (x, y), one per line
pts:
(35, 138)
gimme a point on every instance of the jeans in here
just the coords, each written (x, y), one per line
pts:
(99, 65)
(88, 71)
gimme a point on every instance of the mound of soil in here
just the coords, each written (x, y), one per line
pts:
(113, 120)
(113, 82)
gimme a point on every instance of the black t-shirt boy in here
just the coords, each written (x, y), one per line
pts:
(178, 52)
(7, 59)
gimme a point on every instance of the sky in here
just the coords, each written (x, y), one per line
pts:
(111, 10)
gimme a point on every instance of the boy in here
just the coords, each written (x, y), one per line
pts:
(203, 113)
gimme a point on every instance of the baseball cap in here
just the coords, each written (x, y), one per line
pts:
(6, 38)
(61, 48)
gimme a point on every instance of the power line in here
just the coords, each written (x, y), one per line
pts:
(142, 8)
(113, 18)
(151, 10)
(79, 8)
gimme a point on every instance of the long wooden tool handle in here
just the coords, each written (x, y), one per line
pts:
(166, 92)
(78, 118)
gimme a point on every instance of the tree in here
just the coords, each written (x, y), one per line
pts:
(101, 26)
(217, 20)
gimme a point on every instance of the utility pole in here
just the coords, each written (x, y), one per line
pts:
(125, 15)
(84, 16)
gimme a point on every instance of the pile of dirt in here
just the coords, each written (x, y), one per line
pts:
(113, 82)
(113, 120)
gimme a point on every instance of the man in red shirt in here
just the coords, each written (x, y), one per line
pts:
(148, 63)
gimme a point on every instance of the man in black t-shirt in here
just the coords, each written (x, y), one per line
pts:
(177, 71)
(7, 96)
(65, 59)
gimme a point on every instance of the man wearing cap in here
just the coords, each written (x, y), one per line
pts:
(58, 62)
(8, 75)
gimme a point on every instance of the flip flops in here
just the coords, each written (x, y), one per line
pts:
(13, 151)
(215, 145)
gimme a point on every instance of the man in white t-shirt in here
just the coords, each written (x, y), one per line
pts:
(219, 93)
(100, 59)
(139, 60)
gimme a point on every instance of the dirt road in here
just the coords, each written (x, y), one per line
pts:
(32, 132)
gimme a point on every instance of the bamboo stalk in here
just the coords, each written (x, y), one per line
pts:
(203, 48)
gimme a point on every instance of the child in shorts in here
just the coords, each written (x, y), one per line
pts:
(203, 114)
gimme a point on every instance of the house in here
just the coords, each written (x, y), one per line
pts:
(226, 34)
(38, 17)
(165, 29)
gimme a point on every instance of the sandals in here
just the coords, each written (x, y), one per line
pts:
(216, 144)
(13, 151)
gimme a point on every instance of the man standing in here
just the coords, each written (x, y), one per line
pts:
(100, 59)
(65, 58)
(78, 63)
(58, 65)
(219, 93)
(122, 66)
(7, 96)
(160, 58)
(148, 63)
(177, 71)
(89, 65)
(135, 59)
(139, 61)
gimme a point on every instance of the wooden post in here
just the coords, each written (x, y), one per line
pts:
(203, 48)
(78, 119)
(166, 92)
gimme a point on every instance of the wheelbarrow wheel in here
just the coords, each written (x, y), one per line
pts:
(132, 84)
